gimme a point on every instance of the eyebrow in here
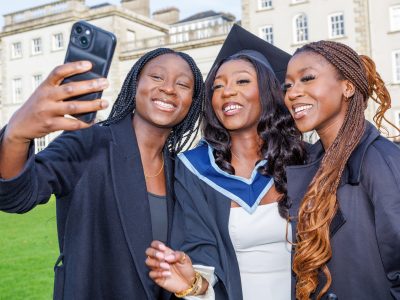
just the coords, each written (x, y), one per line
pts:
(234, 73)
(305, 69)
(302, 70)
(189, 76)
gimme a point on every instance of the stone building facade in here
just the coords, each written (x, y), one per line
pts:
(34, 41)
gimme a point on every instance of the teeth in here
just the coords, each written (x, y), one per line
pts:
(232, 107)
(301, 108)
(163, 104)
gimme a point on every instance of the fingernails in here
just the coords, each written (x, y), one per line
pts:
(103, 104)
(166, 273)
(159, 255)
(164, 265)
(84, 65)
(170, 257)
(162, 247)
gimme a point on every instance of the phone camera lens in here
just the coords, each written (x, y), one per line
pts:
(84, 41)
(78, 29)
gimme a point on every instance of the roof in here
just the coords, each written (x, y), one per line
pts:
(164, 10)
(207, 14)
(100, 5)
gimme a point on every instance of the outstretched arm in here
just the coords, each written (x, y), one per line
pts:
(44, 112)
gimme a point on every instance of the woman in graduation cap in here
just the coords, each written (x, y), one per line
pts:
(231, 189)
(112, 181)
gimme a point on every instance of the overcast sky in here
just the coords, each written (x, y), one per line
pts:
(186, 7)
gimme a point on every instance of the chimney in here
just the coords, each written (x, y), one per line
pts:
(168, 15)
(141, 7)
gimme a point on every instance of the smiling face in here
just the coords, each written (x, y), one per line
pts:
(164, 91)
(236, 99)
(315, 94)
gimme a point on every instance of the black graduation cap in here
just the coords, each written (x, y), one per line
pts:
(243, 41)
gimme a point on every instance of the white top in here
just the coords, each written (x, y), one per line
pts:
(262, 251)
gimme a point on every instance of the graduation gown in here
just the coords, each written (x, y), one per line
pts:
(201, 218)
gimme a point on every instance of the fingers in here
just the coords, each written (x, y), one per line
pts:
(156, 264)
(62, 123)
(160, 256)
(177, 257)
(159, 245)
(155, 253)
(78, 88)
(159, 274)
(159, 251)
(78, 107)
(61, 72)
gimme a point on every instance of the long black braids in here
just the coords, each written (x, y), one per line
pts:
(182, 134)
(281, 141)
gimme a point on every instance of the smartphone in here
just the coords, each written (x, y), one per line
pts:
(88, 42)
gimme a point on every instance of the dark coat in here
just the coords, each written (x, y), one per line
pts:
(201, 230)
(103, 214)
(365, 233)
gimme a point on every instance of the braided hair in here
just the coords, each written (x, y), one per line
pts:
(319, 205)
(182, 134)
(281, 141)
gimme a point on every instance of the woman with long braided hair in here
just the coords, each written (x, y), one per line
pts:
(346, 201)
(112, 181)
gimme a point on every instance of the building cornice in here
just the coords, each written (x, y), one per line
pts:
(216, 40)
(108, 11)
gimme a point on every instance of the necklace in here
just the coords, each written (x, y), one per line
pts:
(233, 153)
(159, 172)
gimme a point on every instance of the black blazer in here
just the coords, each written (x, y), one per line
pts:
(200, 229)
(103, 214)
(365, 232)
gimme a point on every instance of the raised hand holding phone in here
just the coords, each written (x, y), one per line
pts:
(44, 112)
(71, 89)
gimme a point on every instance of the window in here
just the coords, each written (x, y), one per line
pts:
(41, 143)
(263, 4)
(36, 80)
(396, 66)
(17, 90)
(300, 25)
(394, 17)
(267, 33)
(16, 50)
(58, 41)
(37, 46)
(336, 25)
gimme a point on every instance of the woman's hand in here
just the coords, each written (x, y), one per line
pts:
(171, 270)
(44, 111)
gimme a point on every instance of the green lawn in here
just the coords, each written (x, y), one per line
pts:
(28, 251)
